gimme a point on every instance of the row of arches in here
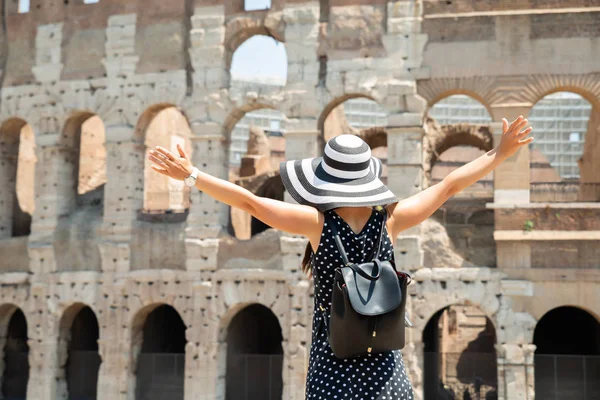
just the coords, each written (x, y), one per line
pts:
(562, 123)
(254, 354)
(459, 355)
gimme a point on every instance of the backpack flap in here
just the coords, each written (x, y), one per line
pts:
(373, 287)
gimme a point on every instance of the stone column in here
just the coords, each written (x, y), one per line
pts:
(201, 363)
(123, 196)
(207, 50)
(8, 175)
(511, 178)
(301, 42)
(55, 193)
(511, 187)
(516, 380)
(405, 178)
(114, 349)
(297, 349)
(43, 346)
(207, 216)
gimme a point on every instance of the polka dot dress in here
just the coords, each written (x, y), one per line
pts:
(374, 376)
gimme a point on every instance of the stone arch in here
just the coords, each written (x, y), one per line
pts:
(432, 101)
(240, 29)
(161, 194)
(441, 138)
(17, 177)
(567, 341)
(253, 70)
(250, 316)
(14, 349)
(459, 353)
(149, 346)
(586, 86)
(329, 107)
(78, 357)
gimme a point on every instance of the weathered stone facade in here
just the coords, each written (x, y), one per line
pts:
(126, 61)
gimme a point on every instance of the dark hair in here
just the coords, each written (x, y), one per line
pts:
(308, 253)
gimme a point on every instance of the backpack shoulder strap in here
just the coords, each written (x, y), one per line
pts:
(377, 247)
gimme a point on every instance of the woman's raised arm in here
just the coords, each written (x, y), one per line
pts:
(417, 208)
(292, 218)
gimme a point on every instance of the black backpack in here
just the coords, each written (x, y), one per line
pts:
(368, 304)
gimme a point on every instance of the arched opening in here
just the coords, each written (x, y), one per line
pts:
(459, 355)
(82, 142)
(161, 362)
(459, 109)
(17, 178)
(260, 60)
(164, 126)
(79, 340)
(16, 354)
(256, 150)
(562, 154)
(254, 355)
(357, 115)
(567, 356)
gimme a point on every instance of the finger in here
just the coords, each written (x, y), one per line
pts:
(526, 141)
(181, 151)
(525, 132)
(158, 161)
(516, 123)
(165, 152)
(159, 170)
(504, 125)
(522, 125)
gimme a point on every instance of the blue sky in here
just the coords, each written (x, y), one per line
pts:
(260, 57)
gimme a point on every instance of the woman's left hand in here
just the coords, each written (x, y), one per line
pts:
(169, 164)
(514, 136)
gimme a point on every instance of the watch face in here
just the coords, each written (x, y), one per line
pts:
(189, 181)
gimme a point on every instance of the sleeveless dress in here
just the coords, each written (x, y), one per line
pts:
(374, 376)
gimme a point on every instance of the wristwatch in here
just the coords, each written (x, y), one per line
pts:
(191, 180)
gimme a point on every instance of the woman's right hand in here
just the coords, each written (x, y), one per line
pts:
(169, 164)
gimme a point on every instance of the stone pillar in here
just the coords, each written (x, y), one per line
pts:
(301, 42)
(201, 363)
(123, 196)
(207, 49)
(121, 59)
(516, 380)
(297, 349)
(511, 186)
(48, 53)
(511, 178)
(8, 175)
(207, 217)
(55, 193)
(113, 345)
(405, 178)
(403, 39)
(43, 346)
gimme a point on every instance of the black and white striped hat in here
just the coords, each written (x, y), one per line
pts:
(346, 176)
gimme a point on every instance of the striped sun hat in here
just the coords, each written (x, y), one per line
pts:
(346, 176)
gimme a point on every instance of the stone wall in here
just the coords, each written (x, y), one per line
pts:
(124, 62)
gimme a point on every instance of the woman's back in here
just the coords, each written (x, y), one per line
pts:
(375, 376)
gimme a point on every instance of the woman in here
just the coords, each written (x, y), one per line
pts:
(342, 188)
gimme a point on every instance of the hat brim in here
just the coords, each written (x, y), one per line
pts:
(309, 184)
